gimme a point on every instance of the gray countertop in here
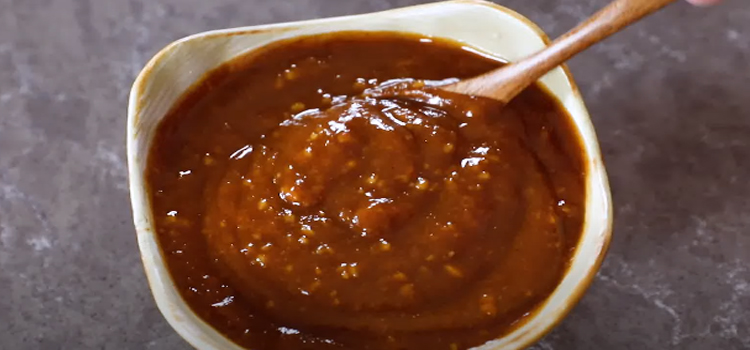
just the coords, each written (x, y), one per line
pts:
(670, 99)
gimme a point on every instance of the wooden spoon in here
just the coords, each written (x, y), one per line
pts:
(503, 84)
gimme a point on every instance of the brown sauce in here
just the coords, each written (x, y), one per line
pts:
(296, 212)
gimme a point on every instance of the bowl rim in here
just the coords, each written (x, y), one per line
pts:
(141, 205)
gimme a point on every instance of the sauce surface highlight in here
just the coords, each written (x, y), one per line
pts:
(298, 207)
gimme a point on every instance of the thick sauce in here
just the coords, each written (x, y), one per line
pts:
(297, 212)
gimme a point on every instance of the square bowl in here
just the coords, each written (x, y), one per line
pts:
(482, 25)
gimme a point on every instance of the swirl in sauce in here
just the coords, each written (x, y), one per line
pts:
(355, 220)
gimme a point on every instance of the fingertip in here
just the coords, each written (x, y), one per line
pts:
(704, 2)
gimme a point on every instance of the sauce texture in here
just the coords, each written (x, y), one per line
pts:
(301, 205)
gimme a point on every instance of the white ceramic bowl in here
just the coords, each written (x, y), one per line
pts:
(483, 25)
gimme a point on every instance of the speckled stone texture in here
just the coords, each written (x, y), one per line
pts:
(670, 99)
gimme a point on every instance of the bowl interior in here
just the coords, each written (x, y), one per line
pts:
(484, 26)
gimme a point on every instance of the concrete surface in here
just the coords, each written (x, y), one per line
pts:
(670, 100)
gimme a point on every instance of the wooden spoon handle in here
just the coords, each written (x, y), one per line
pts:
(505, 83)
